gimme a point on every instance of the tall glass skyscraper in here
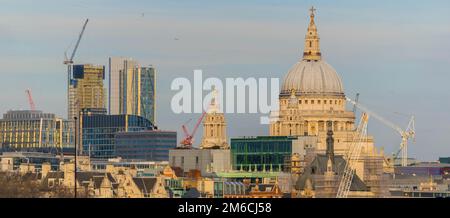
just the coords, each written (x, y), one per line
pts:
(147, 93)
(131, 88)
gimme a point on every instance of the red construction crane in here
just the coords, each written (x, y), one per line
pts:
(188, 137)
(30, 100)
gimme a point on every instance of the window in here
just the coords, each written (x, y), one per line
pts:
(51, 183)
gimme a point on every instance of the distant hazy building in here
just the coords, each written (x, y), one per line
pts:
(131, 88)
(86, 89)
(98, 132)
(153, 145)
(27, 129)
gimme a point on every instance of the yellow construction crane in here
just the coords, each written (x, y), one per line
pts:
(352, 156)
(408, 133)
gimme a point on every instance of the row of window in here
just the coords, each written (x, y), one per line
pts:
(312, 101)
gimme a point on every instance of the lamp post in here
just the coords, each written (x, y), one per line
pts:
(76, 151)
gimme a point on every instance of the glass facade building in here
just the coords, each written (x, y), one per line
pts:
(34, 130)
(148, 93)
(98, 132)
(145, 145)
(131, 88)
(261, 153)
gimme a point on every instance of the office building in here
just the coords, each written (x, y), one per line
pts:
(98, 132)
(152, 145)
(34, 130)
(116, 66)
(269, 153)
(86, 89)
(131, 88)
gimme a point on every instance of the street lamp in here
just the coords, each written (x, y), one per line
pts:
(76, 151)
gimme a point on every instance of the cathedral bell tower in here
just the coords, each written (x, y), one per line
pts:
(214, 127)
(312, 46)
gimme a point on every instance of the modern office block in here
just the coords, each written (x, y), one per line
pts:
(268, 153)
(32, 129)
(98, 132)
(153, 145)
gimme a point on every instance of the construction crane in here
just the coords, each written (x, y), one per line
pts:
(30, 100)
(408, 133)
(352, 156)
(356, 100)
(189, 137)
(69, 61)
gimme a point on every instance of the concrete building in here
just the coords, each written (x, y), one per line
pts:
(98, 132)
(86, 89)
(207, 161)
(132, 88)
(151, 145)
(34, 130)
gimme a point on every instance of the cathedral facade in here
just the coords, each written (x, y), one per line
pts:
(311, 95)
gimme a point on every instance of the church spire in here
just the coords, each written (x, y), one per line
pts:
(312, 46)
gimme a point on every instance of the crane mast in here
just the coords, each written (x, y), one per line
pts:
(69, 62)
(30, 100)
(189, 137)
(352, 156)
(408, 133)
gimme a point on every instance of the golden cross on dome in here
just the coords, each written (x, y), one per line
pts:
(312, 10)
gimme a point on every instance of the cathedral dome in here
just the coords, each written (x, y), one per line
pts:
(312, 77)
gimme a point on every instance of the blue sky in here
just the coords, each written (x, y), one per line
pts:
(395, 53)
